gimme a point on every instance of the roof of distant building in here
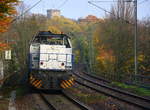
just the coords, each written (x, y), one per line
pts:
(89, 18)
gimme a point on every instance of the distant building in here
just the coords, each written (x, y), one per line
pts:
(53, 12)
(89, 18)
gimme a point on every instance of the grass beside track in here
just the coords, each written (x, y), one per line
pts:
(87, 97)
(21, 90)
(135, 89)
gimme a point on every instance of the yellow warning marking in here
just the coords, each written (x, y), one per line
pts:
(62, 86)
(38, 83)
(35, 82)
(39, 86)
(72, 80)
(65, 84)
(68, 83)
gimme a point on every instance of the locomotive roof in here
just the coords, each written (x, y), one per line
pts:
(50, 34)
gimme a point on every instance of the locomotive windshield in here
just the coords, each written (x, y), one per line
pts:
(52, 39)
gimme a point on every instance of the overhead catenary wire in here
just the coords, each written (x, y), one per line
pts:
(61, 5)
(110, 1)
(143, 1)
(26, 11)
(140, 2)
(110, 12)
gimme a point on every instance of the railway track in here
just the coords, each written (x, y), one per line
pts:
(63, 101)
(125, 96)
(108, 81)
(97, 77)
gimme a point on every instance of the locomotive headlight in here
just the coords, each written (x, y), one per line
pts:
(62, 64)
(41, 63)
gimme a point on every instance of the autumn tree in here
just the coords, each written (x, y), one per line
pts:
(114, 42)
(24, 30)
(7, 10)
(143, 47)
(63, 24)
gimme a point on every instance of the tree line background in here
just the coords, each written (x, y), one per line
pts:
(102, 46)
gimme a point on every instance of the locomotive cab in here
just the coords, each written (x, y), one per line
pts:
(50, 59)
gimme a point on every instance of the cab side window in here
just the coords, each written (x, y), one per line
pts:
(66, 43)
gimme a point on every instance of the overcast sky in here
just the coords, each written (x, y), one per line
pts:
(80, 8)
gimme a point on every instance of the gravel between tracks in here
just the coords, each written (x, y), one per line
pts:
(60, 102)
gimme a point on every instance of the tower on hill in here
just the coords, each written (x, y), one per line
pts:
(53, 12)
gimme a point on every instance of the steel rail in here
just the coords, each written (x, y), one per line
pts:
(121, 95)
(75, 101)
(47, 102)
(97, 77)
(69, 97)
(107, 81)
(116, 89)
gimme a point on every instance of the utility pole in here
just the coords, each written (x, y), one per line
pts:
(90, 53)
(135, 38)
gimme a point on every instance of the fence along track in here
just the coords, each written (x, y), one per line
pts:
(113, 92)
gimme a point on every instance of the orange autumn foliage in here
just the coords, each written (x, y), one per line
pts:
(4, 46)
(7, 10)
(4, 23)
(105, 55)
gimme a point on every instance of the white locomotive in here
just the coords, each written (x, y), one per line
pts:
(51, 52)
(50, 56)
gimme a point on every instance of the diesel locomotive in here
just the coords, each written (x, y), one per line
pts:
(50, 61)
